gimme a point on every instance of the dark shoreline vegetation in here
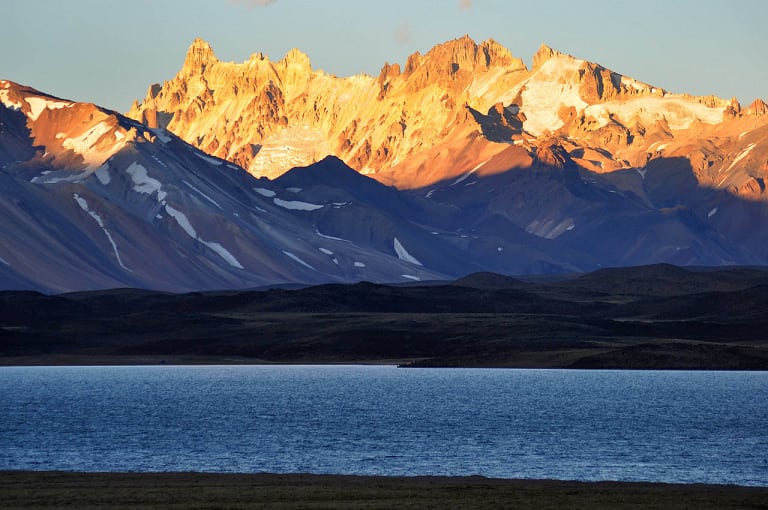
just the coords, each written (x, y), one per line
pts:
(59, 490)
(649, 317)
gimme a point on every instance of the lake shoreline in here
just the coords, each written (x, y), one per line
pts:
(100, 360)
(56, 489)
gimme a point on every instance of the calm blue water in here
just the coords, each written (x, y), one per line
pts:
(584, 425)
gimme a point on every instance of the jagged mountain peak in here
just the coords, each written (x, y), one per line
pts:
(545, 53)
(93, 199)
(435, 118)
(465, 54)
(199, 55)
(758, 108)
(296, 57)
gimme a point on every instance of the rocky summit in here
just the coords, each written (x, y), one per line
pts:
(463, 159)
(448, 112)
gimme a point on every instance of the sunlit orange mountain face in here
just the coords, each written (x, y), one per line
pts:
(464, 159)
(459, 108)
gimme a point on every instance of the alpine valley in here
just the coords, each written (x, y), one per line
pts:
(264, 173)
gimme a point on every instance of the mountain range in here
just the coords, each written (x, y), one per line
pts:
(261, 173)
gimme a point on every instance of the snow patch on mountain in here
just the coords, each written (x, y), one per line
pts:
(359, 264)
(62, 177)
(222, 252)
(297, 259)
(679, 112)
(544, 94)
(326, 251)
(265, 192)
(3, 261)
(324, 236)
(186, 226)
(182, 220)
(410, 277)
(162, 135)
(143, 183)
(38, 104)
(84, 143)
(296, 205)
(403, 254)
(6, 100)
(463, 177)
(83, 203)
(550, 229)
(102, 174)
(712, 212)
(741, 155)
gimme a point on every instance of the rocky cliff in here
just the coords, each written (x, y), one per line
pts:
(447, 112)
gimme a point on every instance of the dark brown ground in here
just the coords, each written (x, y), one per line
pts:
(52, 490)
(652, 317)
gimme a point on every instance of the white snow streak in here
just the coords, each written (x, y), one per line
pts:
(84, 206)
(742, 155)
(296, 205)
(403, 254)
(265, 192)
(53, 180)
(293, 190)
(410, 277)
(548, 229)
(182, 220)
(184, 223)
(143, 183)
(297, 259)
(203, 194)
(330, 237)
(712, 212)
(3, 261)
(326, 251)
(359, 264)
(223, 253)
(465, 176)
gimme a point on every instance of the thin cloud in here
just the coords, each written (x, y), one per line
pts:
(465, 4)
(403, 34)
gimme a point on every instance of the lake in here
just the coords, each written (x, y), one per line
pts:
(686, 427)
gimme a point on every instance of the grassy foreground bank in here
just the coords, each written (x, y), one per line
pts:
(49, 490)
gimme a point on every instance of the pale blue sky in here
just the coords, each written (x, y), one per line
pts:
(109, 51)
